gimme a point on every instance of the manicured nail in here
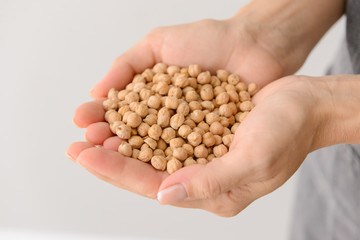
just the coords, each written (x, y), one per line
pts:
(172, 194)
(69, 156)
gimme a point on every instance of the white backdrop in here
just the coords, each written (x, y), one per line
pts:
(51, 54)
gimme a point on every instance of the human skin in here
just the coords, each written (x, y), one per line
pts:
(263, 42)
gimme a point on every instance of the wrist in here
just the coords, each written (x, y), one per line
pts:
(338, 110)
(288, 30)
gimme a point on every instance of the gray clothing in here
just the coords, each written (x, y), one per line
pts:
(328, 197)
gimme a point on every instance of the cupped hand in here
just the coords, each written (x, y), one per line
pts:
(268, 147)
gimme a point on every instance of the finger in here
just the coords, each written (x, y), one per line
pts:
(112, 143)
(123, 171)
(76, 148)
(88, 113)
(135, 60)
(204, 181)
(98, 132)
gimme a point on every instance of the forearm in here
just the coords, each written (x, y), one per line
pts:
(290, 29)
(339, 110)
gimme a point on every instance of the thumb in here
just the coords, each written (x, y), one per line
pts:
(198, 182)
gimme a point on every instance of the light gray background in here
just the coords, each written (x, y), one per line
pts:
(51, 54)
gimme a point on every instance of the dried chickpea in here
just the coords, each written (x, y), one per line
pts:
(155, 132)
(246, 106)
(151, 142)
(176, 143)
(194, 70)
(168, 152)
(241, 86)
(153, 111)
(195, 105)
(244, 96)
(154, 102)
(110, 104)
(252, 89)
(142, 110)
(233, 108)
(145, 94)
(234, 96)
(133, 120)
(138, 78)
(222, 75)
(218, 139)
(190, 123)
(162, 88)
(204, 126)
(183, 108)
(224, 121)
(227, 131)
(113, 94)
(197, 116)
(180, 153)
(220, 150)
(114, 126)
(225, 110)
(163, 118)
(171, 70)
(173, 165)
(161, 144)
(208, 139)
(210, 157)
(145, 154)
(204, 78)
(150, 119)
(184, 131)
(233, 79)
(132, 97)
(123, 131)
(218, 90)
(222, 98)
(201, 151)
(216, 128)
(159, 162)
(125, 149)
(168, 134)
(212, 117)
(143, 129)
(189, 161)
(177, 120)
(215, 81)
(201, 161)
(175, 92)
(192, 82)
(191, 96)
(138, 86)
(159, 68)
(135, 153)
(194, 138)
(148, 74)
(136, 141)
(122, 110)
(159, 152)
(171, 102)
(181, 81)
(227, 139)
(113, 116)
(208, 105)
(122, 94)
(199, 130)
(189, 149)
(230, 88)
(234, 127)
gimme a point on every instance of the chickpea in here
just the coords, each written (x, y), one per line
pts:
(171, 102)
(160, 68)
(145, 94)
(155, 132)
(181, 80)
(176, 143)
(161, 144)
(135, 153)
(171, 70)
(241, 87)
(201, 161)
(218, 90)
(225, 110)
(215, 81)
(201, 151)
(212, 117)
(195, 105)
(204, 126)
(189, 161)
(136, 141)
(216, 128)
(184, 131)
(159, 152)
(145, 154)
(222, 98)
(150, 119)
(113, 116)
(197, 116)
(194, 70)
(220, 150)
(134, 120)
(151, 143)
(154, 102)
(175, 92)
(204, 78)
(194, 138)
(110, 104)
(142, 110)
(183, 108)
(177, 120)
(159, 162)
(143, 129)
(218, 139)
(233, 79)
(163, 118)
(123, 131)
(227, 139)
(168, 134)
(222, 75)
(208, 139)
(132, 97)
(180, 153)
(125, 149)
(246, 106)
(173, 165)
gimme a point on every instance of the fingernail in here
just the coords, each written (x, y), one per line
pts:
(69, 156)
(172, 194)
(73, 120)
